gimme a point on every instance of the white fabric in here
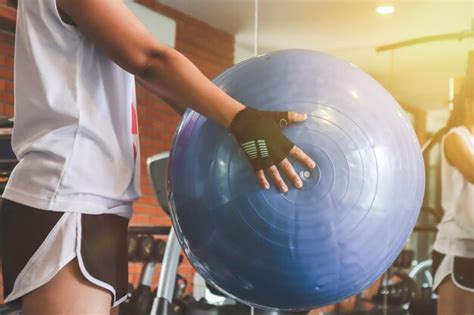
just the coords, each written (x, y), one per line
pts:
(75, 132)
(456, 230)
(62, 245)
(445, 269)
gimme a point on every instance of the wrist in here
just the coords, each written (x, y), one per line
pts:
(230, 115)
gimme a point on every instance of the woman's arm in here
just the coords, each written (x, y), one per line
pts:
(459, 155)
(124, 39)
(166, 72)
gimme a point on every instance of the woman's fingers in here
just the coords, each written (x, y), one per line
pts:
(276, 178)
(262, 179)
(301, 157)
(294, 117)
(290, 172)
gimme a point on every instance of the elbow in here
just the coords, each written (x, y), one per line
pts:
(154, 62)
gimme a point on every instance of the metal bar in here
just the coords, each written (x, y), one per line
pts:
(147, 274)
(169, 266)
(149, 230)
(425, 39)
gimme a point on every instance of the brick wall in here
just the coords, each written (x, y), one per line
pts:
(210, 49)
(7, 41)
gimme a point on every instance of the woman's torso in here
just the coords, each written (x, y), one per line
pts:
(457, 199)
(75, 131)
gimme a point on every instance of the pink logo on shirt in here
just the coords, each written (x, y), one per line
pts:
(134, 130)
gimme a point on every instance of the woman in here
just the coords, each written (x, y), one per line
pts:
(68, 201)
(453, 254)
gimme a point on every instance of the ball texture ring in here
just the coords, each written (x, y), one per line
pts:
(313, 246)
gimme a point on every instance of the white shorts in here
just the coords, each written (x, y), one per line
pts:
(458, 268)
(38, 243)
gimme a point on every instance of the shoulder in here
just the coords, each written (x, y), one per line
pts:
(459, 154)
(456, 139)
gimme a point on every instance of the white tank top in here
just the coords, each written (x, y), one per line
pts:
(456, 230)
(75, 133)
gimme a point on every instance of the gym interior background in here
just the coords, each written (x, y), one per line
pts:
(423, 76)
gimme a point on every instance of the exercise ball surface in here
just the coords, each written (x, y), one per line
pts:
(327, 241)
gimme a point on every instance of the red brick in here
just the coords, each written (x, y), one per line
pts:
(160, 220)
(6, 49)
(7, 37)
(8, 110)
(146, 209)
(6, 73)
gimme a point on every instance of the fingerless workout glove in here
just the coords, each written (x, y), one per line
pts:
(260, 136)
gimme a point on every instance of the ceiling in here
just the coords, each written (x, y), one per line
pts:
(417, 75)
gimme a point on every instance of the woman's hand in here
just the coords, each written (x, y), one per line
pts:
(260, 136)
(170, 75)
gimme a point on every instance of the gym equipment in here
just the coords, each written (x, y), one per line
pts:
(163, 303)
(144, 247)
(149, 251)
(201, 307)
(132, 242)
(158, 250)
(405, 259)
(398, 293)
(421, 273)
(141, 300)
(426, 301)
(149, 230)
(157, 167)
(313, 246)
(180, 286)
(10, 310)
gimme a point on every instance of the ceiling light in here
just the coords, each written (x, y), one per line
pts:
(385, 9)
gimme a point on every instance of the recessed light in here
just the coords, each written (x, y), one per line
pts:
(385, 9)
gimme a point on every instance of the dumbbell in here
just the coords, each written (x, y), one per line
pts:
(158, 250)
(397, 294)
(400, 293)
(180, 286)
(132, 243)
(144, 248)
(141, 300)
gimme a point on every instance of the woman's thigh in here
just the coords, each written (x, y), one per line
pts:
(453, 300)
(68, 292)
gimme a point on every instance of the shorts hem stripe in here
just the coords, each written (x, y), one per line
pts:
(83, 269)
(460, 286)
